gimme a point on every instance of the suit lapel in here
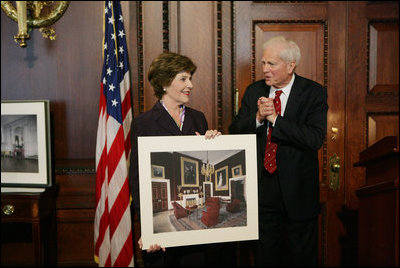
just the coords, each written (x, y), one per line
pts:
(164, 120)
(188, 124)
(294, 98)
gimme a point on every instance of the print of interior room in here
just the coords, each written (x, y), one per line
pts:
(198, 190)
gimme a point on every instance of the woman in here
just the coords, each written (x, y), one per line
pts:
(170, 74)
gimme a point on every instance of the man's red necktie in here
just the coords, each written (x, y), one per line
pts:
(270, 149)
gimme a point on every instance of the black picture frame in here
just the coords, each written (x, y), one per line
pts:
(26, 144)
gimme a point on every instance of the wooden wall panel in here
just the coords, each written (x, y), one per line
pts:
(372, 96)
(382, 104)
(65, 71)
(382, 125)
(197, 40)
(383, 57)
(75, 216)
(247, 13)
(152, 44)
(75, 229)
(309, 37)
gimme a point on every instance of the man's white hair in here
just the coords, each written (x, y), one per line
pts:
(291, 51)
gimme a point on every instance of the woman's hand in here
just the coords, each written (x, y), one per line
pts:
(210, 134)
(152, 248)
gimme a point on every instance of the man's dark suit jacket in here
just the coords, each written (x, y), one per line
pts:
(158, 122)
(299, 133)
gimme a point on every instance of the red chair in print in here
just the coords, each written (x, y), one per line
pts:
(233, 206)
(210, 217)
(179, 211)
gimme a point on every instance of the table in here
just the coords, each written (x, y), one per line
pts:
(29, 213)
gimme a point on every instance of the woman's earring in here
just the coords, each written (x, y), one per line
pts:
(164, 89)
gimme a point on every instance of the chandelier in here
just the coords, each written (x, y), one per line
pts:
(207, 170)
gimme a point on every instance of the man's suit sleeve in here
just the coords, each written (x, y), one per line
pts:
(245, 121)
(308, 133)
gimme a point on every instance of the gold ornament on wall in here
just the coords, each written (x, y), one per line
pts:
(34, 14)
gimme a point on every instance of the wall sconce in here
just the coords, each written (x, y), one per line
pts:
(35, 19)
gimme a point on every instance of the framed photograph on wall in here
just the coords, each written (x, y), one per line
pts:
(25, 144)
(189, 172)
(221, 179)
(177, 224)
(237, 171)
(157, 172)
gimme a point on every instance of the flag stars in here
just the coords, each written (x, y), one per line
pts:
(112, 83)
(109, 71)
(121, 19)
(113, 36)
(121, 50)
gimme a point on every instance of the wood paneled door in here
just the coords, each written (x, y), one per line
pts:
(160, 196)
(351, 48)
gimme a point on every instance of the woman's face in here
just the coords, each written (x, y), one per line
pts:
(179, 90)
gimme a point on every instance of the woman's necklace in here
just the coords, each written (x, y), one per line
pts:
(179, 122)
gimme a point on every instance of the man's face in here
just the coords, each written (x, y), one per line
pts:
(277, 72)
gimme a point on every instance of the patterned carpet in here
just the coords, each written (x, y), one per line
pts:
(226, 219)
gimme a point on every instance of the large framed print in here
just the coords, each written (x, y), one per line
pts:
(189, 172)
(25, 144)
(221, 179)
(185, 209)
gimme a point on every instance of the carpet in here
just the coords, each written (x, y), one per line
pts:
(193, 221)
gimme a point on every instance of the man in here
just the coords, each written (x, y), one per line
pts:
(288, 183)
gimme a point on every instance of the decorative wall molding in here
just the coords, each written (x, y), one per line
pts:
(140, 56)
(368, 57)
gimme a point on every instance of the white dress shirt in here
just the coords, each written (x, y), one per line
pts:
(283, 97)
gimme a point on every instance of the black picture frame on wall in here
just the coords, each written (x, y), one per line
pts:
(25, 144)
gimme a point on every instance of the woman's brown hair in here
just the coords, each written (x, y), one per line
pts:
(165, 67)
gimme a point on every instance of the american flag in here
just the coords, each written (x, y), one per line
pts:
(112, 224)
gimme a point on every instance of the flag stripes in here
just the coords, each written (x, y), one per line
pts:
(112, 224)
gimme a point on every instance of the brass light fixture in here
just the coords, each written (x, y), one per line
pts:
(207, 170)
(30, 14)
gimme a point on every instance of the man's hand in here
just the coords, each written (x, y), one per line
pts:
(266, 110)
